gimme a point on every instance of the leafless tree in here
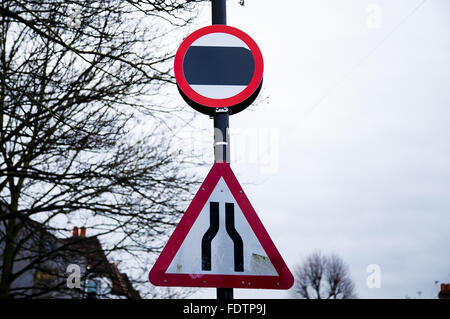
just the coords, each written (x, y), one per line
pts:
(76, 80)
(323, 277)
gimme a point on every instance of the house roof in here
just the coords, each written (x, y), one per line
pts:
(122, 285)
(91, 249)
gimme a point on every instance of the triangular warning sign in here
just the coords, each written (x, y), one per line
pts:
(220, 242)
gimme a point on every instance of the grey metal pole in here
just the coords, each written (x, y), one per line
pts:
(221, 124)
(221, 136)
(221, 115)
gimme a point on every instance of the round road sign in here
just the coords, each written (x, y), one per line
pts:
(219, 66)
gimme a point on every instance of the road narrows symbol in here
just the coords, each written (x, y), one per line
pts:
(212, 232)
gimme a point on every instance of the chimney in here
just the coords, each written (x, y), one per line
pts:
(75, 232)
(445, 291)
(83, 232)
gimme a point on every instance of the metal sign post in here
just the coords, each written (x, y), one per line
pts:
(221, 125)
(221, 116)
(220, 242)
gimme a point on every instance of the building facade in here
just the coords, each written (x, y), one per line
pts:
(45, 266)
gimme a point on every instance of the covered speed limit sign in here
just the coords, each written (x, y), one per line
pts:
(219, 66)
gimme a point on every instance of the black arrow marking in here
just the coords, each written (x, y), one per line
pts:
(237, 240)
(209, 235)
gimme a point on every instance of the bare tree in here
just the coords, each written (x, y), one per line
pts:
(76, 79)
(323, 277)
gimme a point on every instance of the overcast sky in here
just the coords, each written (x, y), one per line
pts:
(349, 153)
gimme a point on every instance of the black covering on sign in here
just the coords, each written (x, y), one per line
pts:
(203, 65)
(209, 235)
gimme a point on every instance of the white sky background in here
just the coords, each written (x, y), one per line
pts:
(357, 129)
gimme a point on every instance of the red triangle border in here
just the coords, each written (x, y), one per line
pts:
(158, 275)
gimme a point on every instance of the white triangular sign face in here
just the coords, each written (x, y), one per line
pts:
(255, 259)
(220, 242)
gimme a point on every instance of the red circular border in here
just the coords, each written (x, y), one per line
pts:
(227, 102)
